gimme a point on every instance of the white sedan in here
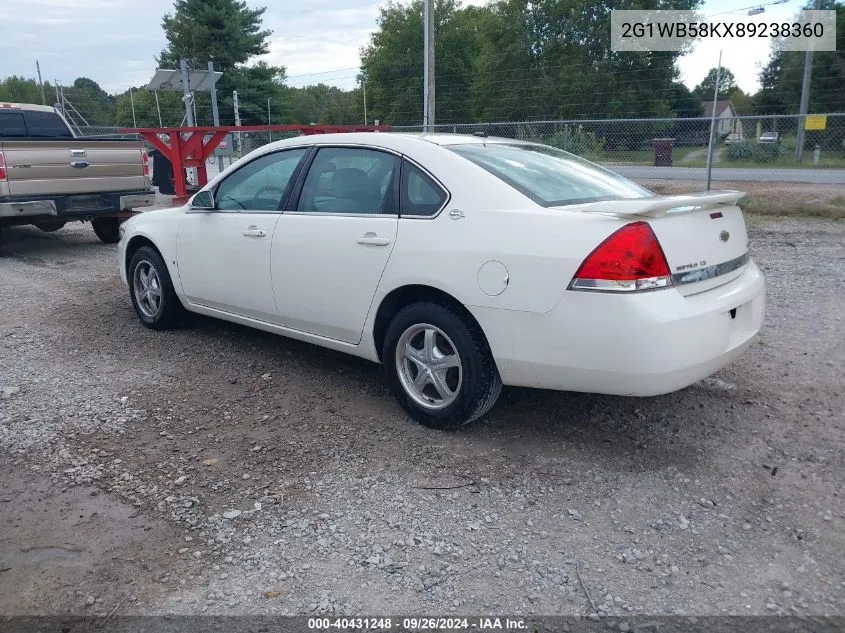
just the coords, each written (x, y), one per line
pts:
(460, 263)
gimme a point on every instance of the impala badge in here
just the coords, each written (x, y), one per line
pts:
(456, 214)
(724, 236)
(80, 164)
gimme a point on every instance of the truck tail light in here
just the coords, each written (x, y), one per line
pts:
(145, 160)
(2, 167)
(630, 260)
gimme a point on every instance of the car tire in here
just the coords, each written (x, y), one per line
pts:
(151, 291)
(49, 227)
(432, 345)
(107, 229)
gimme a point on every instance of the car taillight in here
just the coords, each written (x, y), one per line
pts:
(630, 260)
(2, 166)
(145, 159)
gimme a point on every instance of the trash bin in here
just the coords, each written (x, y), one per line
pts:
(663, 151)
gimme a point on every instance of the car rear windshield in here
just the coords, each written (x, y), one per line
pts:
(549, 176)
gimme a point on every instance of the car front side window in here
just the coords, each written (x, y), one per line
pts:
(260, 185)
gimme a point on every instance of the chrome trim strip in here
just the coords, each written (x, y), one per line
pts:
(711, 272)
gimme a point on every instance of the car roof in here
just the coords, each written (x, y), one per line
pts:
(389, 140)
(5, 106)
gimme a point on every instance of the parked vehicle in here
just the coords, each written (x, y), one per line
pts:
(461, 263)
(732, 138)
(49, 177)
(769, 137)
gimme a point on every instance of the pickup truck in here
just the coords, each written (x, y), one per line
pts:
(49, 177)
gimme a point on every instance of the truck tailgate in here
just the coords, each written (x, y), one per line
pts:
(62, 166)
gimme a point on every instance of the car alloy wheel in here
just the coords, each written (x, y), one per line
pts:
(429, 366)
(147, 288)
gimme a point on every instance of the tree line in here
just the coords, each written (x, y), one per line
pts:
(509, 60)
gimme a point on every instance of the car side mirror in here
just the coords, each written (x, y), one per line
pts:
(203, 200)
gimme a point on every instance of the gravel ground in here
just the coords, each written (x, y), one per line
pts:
(219, 469)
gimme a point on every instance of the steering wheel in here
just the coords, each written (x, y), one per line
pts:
(269, 188)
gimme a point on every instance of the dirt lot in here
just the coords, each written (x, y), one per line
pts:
(223, 470)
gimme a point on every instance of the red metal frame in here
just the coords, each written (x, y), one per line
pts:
(187, 147)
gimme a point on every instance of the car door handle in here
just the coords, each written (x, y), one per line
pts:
(254, 232)
(375, 240)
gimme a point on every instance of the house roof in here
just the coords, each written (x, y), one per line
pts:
(721, 106)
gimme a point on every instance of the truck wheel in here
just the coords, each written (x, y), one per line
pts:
(49, 227)
(107, 229)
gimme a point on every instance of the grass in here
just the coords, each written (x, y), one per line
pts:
(770, 199)
(828, 160)
(833, 209)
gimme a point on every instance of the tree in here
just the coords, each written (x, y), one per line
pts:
(94, 103)
(19, 90)
(781, 79)
(727, 83)
(683, 102)
(230, 34)
(226, 31)
(392, 62)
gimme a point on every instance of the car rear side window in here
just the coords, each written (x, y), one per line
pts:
(46, 125)
(350, 180)
(421, 195)
(12, 125)
(549, 176)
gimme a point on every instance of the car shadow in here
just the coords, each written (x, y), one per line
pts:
(527, 425)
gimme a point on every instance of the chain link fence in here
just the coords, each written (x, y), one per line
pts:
(750, 148)
(761, 148)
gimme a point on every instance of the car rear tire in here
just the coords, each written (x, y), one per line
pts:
(107, 229)
(439, 367)
(49, 227)
(151, 291)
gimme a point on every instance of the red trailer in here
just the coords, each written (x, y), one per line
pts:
(192, 146)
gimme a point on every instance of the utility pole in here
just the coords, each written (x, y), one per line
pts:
(805, 96)
(132, 103)
(186, 88)
(713, 122)
(428, 105)
(237, 119)
(41, 83)
(215, 113)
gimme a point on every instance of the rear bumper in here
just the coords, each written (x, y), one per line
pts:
(27, 209)
(641, 345)
(76, 206)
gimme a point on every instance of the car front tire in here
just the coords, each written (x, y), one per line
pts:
(439, 367)
(151, 291)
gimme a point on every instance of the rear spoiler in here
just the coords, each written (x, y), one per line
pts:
(659, 206)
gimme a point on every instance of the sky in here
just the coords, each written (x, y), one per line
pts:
(114, 42)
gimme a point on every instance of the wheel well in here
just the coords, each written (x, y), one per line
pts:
(406, 295)
(135, 243)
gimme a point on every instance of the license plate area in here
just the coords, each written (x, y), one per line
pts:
(85, 202)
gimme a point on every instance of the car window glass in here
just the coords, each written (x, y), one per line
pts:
(349, 180)
(420, 194)
(550, 176)
(46, 125)
(259, 185)
(12, 125)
